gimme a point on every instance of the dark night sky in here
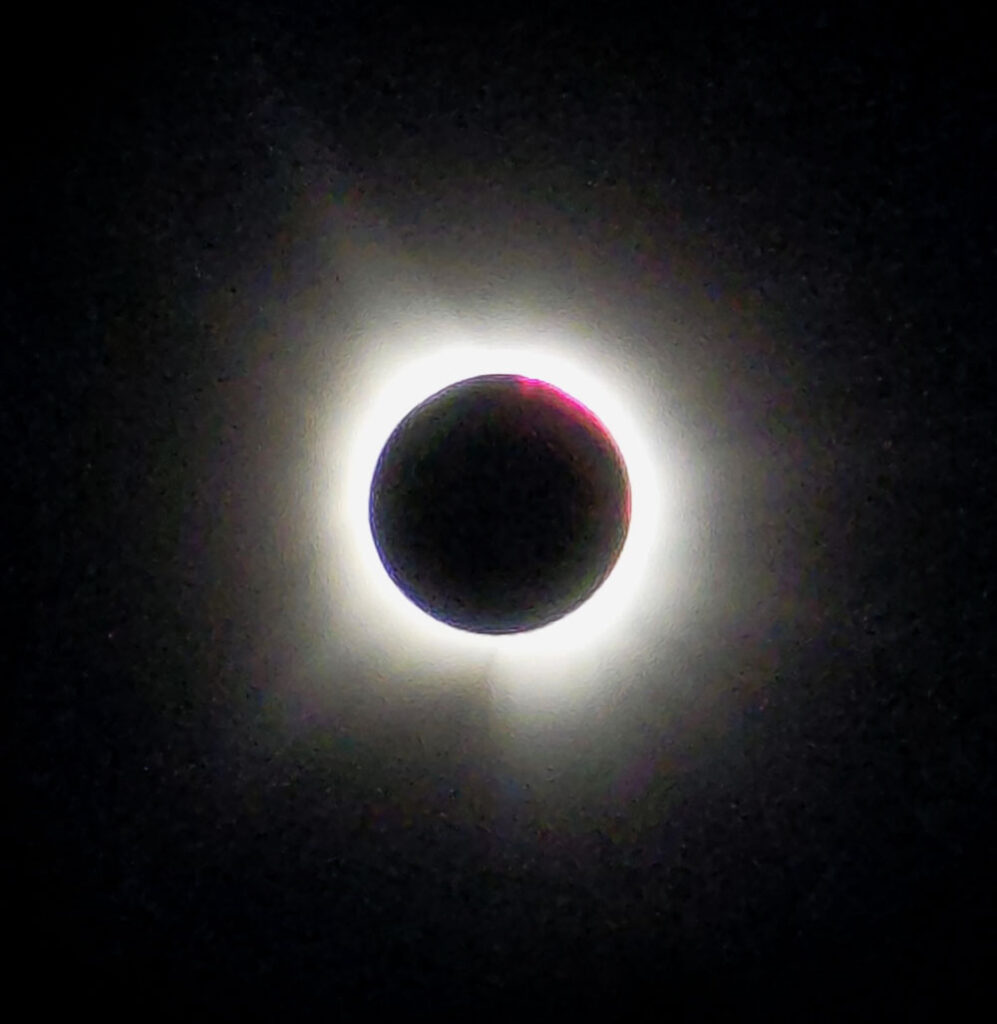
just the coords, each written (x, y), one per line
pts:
(789, 806)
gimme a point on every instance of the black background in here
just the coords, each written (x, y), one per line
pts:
(822, 840)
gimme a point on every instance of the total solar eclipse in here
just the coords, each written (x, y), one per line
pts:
(499, 504)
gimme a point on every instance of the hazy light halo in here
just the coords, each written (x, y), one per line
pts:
(395, 372)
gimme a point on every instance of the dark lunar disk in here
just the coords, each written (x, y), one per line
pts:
(499, 504)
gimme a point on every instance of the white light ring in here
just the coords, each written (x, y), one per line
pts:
(397, 369)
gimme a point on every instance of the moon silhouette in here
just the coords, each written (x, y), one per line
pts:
(499, 504)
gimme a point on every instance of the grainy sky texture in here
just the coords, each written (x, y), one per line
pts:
(238, 243)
